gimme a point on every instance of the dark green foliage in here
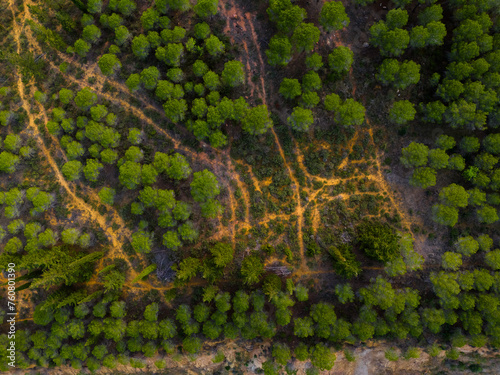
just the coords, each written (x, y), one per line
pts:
(378, 240)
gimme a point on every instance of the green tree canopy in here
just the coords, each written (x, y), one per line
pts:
(233, 74)
(280, 51)
(300, 119)
(305, 36)
(378, 240)
(402, 111)
(333, 16)
(204, 186)
(340, 59)
(257, 120)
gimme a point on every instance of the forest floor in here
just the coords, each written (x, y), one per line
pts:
(242, 27)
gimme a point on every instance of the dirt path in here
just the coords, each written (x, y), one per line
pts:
(115, 237)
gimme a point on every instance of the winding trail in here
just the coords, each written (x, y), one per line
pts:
(222, 164)
(116, 238)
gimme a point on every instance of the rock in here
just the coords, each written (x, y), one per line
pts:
(366, 44)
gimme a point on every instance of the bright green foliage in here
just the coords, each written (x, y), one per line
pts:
(433, 13)
(491, 143)
(395, 267)
(281, 353)
(379, 293)
(450, 89)
(66, 95)
(419, 36)
(301, 119)
(211, 80)
(433, 112)
(311, 81)
(301, 293)
(402, 111)
(467, 245)
(487, 214)
(150, 18)
(175, 109)
(149, 77)
(178, 167)
(438, 158)
(399, 75)
(126, 7)
(140, 46)
(135, 136)
(303, 327)
(206, 8)
(151, 312)
(222, 253)
(91, 34)
(305, 36)
(175, 75)
(290, 88)
(171, 54)
(392, 42)
(485, 161)
(176, 35)
(340, 59)
(72, 170)
(461, 114)
(251, 269)
(396, 18)
(233, 74)
(477, 197)
(290, 18)
(108, 156)
(451, 261)
(85, 98)
(133, 82)
(130, 174)
(485, 242)
(437, 32)
(188, 268)
(445, 142)
(92, 169)
(142, 241)
(188, 232)
(12, 143)
(423, 177)
(214, 46)
(492, 259)
(470, 144)
(154, 39)
(109, 64)
(444, 215)
(446, 288)
(70, 236)
(171, 240)
(200, 68)
(350, 113)
(13, 246)
(204, 186)
(332, 102)
(344, 293)
(333, 16)
(280, 51)
(81, 47)
(454, 195)
(314, 62)
(111, 21)
(201, 30)
(256, 120)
